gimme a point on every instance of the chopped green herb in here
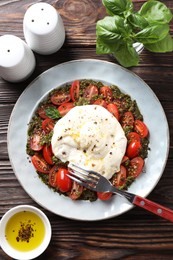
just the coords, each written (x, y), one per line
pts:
(88, 195)
(82, 101)
(144, 151)
(127, 129)
(34, 125)
(46, 139)
(129, 181)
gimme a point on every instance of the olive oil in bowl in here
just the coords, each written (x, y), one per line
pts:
(25, 232)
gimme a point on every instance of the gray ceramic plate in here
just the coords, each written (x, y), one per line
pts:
(128, 82)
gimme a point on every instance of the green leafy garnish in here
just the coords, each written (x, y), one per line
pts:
(116, 33)
(53, 113)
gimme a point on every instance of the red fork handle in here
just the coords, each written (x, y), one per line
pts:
(153, 207)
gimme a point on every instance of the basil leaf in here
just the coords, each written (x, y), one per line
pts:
(113, 29)
(116, 33)
(104, 47)
(118, 7)
(165, 45)
(127, 56)
(156, 12)
(114, 36)
(152, 34)
(52, 113)
(137, 21)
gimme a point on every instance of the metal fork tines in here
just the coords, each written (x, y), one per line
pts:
(83, 176)
(94, 181)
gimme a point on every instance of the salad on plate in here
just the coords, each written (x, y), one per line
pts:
(93, 124)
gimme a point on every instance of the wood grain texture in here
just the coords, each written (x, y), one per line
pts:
(136, 235)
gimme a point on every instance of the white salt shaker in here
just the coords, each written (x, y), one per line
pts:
(17, 61)
(43, 28)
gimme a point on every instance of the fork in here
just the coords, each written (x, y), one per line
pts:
(96, 182)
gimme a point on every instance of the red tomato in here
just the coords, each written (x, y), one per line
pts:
(40, 164)
(52, 175)
(133, 136)
(100, 102)
(135, 167)
(76, 191)
(35, 140)
(125, 159)
(63, 182)
(65, 108)
(133, 149)
(48, 125)
(90, 92)
(74, 90)
(120, 177)
(47, 154)
(42, 110)
(104, 195)
(127, 119)
(112, 108)
(59, 98)
(106, 92)
(141, 128)
(118, 103)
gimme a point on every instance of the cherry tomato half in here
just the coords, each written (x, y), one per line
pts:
(63, 182)
(48, 125)
(100, 102)
(35, 140)
(141, 128)
(127, 119)
(59, 98)
(42, 110)
(90, 92)
(104, 195)
(112, 108)
(47, 154)
(65, 108)
(40, 164)
(106, 92)
(52, 175)
(135, 167)
(74, 90)
(120, 177)
(125, 159)
(76, 191)
(133, 149)
(133, 136)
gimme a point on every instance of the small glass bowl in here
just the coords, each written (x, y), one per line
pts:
(31, 253)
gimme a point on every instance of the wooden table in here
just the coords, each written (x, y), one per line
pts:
(136, 234)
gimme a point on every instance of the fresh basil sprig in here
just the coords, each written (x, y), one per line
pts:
(117, 32)
(53, 113)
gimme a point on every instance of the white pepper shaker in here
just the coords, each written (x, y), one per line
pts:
(43, 28)
(17, 61)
